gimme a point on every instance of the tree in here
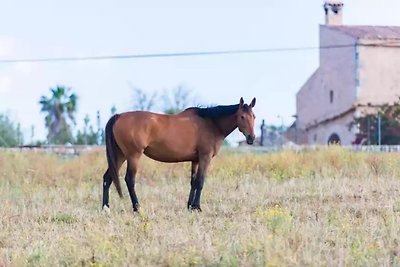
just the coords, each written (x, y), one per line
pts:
(142, 101)
(390, 126)
(274, 135)
(88, 136)
(10, 134)
(177, 101)
(100, 131)
(113, 110)
(60, 109)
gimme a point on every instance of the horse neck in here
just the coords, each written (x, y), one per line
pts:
(226, 125)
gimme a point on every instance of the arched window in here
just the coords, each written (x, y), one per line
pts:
(334, 139)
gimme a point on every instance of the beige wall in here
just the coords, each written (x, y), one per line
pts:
(322, 132)
(337, 72)
(379, 75)
(308, 98)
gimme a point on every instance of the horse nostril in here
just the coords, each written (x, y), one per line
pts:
(250, 139)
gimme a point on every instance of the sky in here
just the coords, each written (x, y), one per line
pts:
(74, 28)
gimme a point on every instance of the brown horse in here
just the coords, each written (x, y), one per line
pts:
(195, 135)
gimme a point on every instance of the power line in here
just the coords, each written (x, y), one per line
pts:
(167, 55)
(191, 54)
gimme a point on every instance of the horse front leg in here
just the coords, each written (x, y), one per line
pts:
(193, 175)
(204, 162)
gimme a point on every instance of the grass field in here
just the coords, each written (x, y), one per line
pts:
(329, 207)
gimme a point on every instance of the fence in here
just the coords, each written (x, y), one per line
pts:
(75, 150)
(298, 148)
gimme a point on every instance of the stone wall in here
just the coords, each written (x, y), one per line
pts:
(379, 75)
(331, 90)
(321, 133)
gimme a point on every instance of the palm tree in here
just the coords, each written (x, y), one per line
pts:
(60, 111)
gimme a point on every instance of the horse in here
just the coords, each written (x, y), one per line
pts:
(193, 135)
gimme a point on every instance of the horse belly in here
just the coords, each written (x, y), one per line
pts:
(170, 153)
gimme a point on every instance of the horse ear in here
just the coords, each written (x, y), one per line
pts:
(253, 103)
(241, 103)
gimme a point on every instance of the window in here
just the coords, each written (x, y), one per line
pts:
(334, 139)
(331, 96)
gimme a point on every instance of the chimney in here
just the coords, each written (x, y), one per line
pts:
(333, 12)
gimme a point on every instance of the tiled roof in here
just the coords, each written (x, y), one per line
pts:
(370, 32)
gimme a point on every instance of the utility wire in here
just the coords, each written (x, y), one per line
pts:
(188, 54)
(167, 55)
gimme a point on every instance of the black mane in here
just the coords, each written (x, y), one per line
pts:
(217, 111)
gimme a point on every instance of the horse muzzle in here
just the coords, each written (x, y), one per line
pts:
(250, 139)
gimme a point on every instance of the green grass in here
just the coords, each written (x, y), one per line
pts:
(329, 207)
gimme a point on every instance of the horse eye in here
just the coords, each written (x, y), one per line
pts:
(242, 117)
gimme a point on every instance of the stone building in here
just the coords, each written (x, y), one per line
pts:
(359, 70)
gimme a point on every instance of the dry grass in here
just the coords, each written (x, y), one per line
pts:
(320, 208)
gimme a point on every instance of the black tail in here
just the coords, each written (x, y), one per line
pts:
(112, 151)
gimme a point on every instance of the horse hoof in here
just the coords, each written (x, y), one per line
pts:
(136, 209)
(195, 209)
(106, 209)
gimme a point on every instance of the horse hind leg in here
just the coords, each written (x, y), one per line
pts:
(130, 176)
(107, 181)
